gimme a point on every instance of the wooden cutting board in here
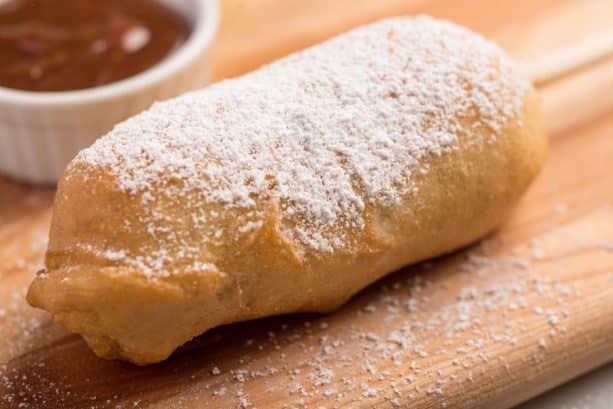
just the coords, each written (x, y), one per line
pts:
(488, 327)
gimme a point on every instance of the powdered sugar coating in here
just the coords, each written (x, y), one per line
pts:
(324, 131)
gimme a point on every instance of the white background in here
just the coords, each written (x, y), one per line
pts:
(592, 391)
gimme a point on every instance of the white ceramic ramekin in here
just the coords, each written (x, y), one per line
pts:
(40, 132)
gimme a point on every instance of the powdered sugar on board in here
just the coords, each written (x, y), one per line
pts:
(494, 317)
(324, 131)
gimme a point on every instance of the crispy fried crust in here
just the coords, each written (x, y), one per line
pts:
(123, 313)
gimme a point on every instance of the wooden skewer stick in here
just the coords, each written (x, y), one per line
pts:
(571, 59)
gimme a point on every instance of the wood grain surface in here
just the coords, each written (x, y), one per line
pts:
(488, 327)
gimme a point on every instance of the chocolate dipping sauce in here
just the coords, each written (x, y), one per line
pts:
(63, 45)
